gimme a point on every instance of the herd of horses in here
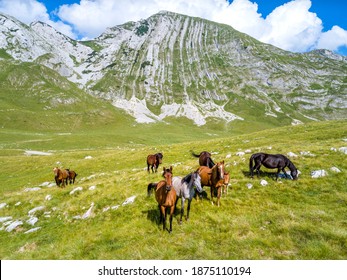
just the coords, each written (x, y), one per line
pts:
(168, 190)
(209, 173)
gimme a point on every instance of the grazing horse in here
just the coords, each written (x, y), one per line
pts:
(153, 161)
(166, 197)
(272, 161)
(184, 188)
(204, 159)
(211, 176)
(72, 176)
(60, 176)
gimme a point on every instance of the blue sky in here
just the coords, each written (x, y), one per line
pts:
(297, 25)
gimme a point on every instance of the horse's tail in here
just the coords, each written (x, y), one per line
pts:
(194, 154)
(251, 164)
(150, 187)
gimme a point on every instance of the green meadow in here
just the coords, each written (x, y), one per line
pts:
(286, 219)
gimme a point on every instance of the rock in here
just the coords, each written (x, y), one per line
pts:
(48, 197)
(318, 173)
(291, 154)
(32, 221)
(129, 200)
(89, 212)
(343, 150)
(13, 225)
(249, 185)
(32, 211)
(335, 169)
(2, 205)
(263, 182)
(92, 188)
(4, 219)
(32, 189)
(240, 154)
(32, 230)
(76, 190)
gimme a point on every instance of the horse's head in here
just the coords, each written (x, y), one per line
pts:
(293, 171)
(197, 181)
(159, 157)
(294, 174)
(220, 166)
(167, 174)
(56, 171)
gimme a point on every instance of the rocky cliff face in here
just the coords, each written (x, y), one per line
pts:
(175, 65)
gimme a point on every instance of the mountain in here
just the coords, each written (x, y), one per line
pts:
(172, 65)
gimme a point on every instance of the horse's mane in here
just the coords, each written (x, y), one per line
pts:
(291, 166)
(187, 178)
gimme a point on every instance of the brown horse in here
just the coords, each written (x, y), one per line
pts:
(153, 161)
(204, 159)
(211, 176)
(72, 176)
(60, 176)
(165, 195)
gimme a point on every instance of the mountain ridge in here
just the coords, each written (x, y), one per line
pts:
(172, 65)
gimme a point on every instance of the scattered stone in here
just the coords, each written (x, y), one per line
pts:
(2, 205)
(88, 157)
(343, 150)
(106, 209)
(91, 188)
(13, 225)
(32, 230)
(333, 149)
(35, 189)
(76, 190)
(248, 151)
(4, 219)
(263, 182)
(291, 154)
(335, 169)
(228, 156)
(48, 197)
(18, 203)
(249, 185)
(89, 212)
(318, 173)
(129, 200)
(32, 221)
(115, 207)
(32, 211)
(308, 153)
(240, 154)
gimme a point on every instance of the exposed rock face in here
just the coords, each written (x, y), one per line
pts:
(175, 65)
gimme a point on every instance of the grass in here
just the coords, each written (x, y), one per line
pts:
(303, 219)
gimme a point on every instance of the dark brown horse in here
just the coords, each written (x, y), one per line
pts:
(60, 176)
(272, 161)
(72, 176)
(211, 177)
(166, 197)
(204, 159)
(153, 161)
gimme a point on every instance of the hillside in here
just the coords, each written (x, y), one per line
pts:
(297, 220)
(172, 65)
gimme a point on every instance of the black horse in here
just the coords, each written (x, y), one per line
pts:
(204, 159)
(272, 161)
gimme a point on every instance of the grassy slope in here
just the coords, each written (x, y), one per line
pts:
(302, 219)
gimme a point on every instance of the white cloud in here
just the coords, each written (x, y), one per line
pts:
(29, 11)
(333, 39)
(290, 26)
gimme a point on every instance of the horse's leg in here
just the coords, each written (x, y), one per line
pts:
(219, 192)
(278, 172)
(163, 209)
(182, 208)
(188, 208)
(212, 190)
(172, 210)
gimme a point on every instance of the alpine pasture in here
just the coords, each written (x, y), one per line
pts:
(107, 214)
